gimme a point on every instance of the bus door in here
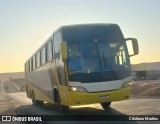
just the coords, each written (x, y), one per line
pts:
(62, 83)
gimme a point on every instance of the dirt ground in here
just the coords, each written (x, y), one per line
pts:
(139, 88)
(16, 85)
(149, 88)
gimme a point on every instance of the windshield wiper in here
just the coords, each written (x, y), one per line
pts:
(104, 61)
(108, 65)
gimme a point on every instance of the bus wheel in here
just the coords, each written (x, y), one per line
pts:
(62, 108)
(105, 105)
(36, 102)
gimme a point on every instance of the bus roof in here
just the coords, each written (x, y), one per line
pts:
(89, 25)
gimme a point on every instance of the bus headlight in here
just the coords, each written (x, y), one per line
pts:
(127, 84)
(77, 89)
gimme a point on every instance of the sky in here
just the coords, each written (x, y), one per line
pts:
(26, 24)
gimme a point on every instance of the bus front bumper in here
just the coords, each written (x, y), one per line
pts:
(83, 98)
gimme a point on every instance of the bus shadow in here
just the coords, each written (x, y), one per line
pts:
(84, 110)
(75, 114)
(52, 109)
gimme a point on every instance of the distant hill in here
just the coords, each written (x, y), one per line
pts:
(14, 75)
(146, 66)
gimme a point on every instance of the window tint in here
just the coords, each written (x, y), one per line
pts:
(43, 56)
(30, 65)
(58, 58)
(53, 48)
(57, 44)
(34, 63)
(49, 51)
(37, 60)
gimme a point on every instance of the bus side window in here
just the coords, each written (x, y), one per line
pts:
(43, 56)
(34, 64)
(57, 42)
(52, 43)
(30, 65)
(49, 51)
(58, 58)
(37, 59)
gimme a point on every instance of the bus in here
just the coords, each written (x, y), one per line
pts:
(79, 65)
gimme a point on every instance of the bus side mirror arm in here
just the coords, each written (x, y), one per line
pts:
(64, 50)
(134, 45)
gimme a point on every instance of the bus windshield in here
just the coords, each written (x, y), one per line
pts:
(96, 54)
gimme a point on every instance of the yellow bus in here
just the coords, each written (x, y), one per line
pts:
(79, 65)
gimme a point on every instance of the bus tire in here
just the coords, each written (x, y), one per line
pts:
(36, 102)
(62, 108)
(105, 105)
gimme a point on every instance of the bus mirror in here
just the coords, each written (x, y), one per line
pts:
(64, 50)
(133, 46)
